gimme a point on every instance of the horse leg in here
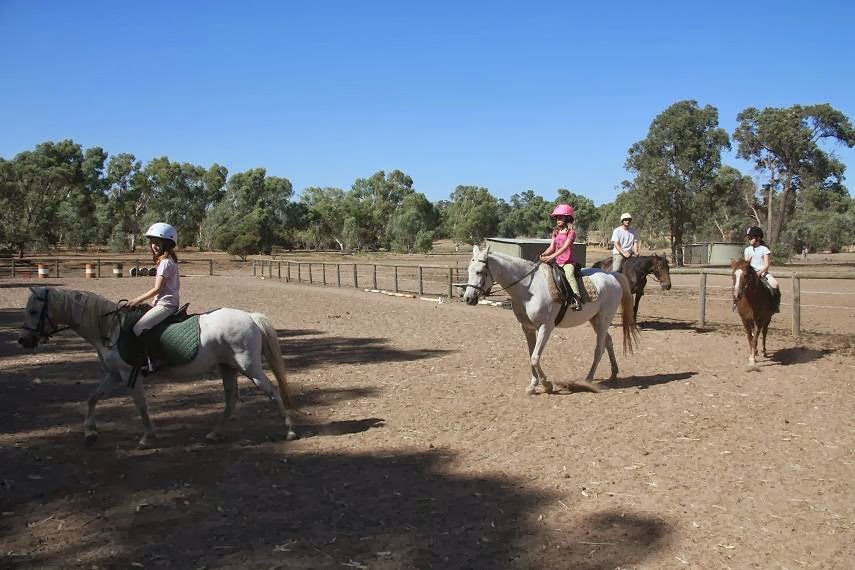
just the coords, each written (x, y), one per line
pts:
(752, 346)
(138, 393)
(531, 339)
(765, 329)
(251, 367)
(543, 333)
(90, 431)
(230, 390)
(604, 339)
(638, 297)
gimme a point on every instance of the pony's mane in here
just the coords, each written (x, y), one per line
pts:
(516, 262)
(84, 310)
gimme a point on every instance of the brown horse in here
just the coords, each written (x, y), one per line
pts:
(637, 268)
(755, 304)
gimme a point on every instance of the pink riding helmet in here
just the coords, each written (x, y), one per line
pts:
(563, 210)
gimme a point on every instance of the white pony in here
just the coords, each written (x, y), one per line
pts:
(230, 340)
(536, 311)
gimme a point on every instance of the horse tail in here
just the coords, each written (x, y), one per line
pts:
(627, 313)
(273, 355)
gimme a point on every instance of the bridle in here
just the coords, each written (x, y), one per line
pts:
(44, 320)
(489, 290)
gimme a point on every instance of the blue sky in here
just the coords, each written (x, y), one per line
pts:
(507, 95)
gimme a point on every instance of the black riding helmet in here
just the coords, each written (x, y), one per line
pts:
(754, 231)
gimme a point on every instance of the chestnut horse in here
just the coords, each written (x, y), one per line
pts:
(637, 268)
(755, 304)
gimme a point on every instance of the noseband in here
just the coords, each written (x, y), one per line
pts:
(44, 319)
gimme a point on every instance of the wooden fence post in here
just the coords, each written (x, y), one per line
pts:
(337, 275)
(324, 272)
(355, 278)
(299, 272)
(702, 300)
(450, 271)
(310, 273)
(287, 272)
(797, 309)
(374, 280)
(279, 270)
(13, 267)
(56, 268)
(210, 267)
(99, 268)
(253, 268)
(396, 279)
(421, 283)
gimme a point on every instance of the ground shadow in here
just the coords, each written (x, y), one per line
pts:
(660, 325)
(798, 355)
(29, 284)
(643, 382)
(277, 504)
(309, 349)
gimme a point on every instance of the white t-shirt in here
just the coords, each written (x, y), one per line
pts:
(755, 256)
(625, 238)
(168, 296)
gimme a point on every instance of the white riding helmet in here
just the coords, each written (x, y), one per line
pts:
(625, 215)
(163, 231)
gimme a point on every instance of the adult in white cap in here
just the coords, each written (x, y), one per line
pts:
(625, 241)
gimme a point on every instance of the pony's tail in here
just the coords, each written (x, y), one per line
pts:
(273, 355)
(627, 314)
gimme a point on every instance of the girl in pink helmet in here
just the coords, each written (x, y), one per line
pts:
(561, 249)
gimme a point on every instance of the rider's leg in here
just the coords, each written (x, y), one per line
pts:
(773, 283)
(617, 260)
(569, 271)
(149, 320)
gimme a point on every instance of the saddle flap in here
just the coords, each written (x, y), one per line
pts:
(175, 339)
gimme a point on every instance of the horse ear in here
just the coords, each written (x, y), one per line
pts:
(475, 250)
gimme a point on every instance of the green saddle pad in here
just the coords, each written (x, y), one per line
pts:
(174, 343)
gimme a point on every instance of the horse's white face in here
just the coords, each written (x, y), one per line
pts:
(480, 278)
(34, 320)
(737, 284)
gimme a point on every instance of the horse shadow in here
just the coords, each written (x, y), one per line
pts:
(644, 382)
(798, 355)
(304, 349)
(662, 325)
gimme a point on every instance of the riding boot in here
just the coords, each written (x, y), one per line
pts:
(576, 302)
(154, 361)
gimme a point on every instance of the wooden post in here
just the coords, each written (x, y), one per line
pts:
(421, 284)
(99, 269)
(324, 272)
(310, 273)
(337, 275)
(450, 271)
(355, 278)
(270, 269)
(797, 309)
(287, 271)
(253, 268)
(210, 267)
(13, 267)
(374, 280)
(299, 272)
(396, 279)
(702, 300)
(56, 268)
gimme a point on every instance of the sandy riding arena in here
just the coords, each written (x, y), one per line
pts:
(420, 449)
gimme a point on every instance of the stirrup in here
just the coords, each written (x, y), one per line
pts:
(575, 304)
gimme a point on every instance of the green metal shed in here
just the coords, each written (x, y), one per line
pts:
(531, 248)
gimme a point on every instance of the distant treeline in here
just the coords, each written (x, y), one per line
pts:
(59, 194)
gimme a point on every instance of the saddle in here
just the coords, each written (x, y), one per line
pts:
(560, 290)
(174, 341)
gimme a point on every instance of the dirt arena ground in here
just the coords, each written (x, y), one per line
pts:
(421, 450)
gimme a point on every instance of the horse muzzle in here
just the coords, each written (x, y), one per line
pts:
(470, 298)
(665, 286)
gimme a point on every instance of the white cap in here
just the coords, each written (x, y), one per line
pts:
(625, 215)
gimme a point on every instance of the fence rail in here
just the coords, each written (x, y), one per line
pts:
(795, 276)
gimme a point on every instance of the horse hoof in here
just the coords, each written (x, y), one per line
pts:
(547, 387)
(529, 391)
(215, 437)
(291, 436)
(145, 441)
(91, 437)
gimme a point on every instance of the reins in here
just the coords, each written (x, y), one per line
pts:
(489, 291)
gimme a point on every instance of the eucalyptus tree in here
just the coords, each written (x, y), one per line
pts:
(472, 214)
(380, 196)
(527, 216)
(784, 144)
(586, 211)
(677, 160)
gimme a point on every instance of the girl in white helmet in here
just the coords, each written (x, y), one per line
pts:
(163, 239)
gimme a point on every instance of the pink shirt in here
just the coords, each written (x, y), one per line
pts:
(168, 296)
(558, 240)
